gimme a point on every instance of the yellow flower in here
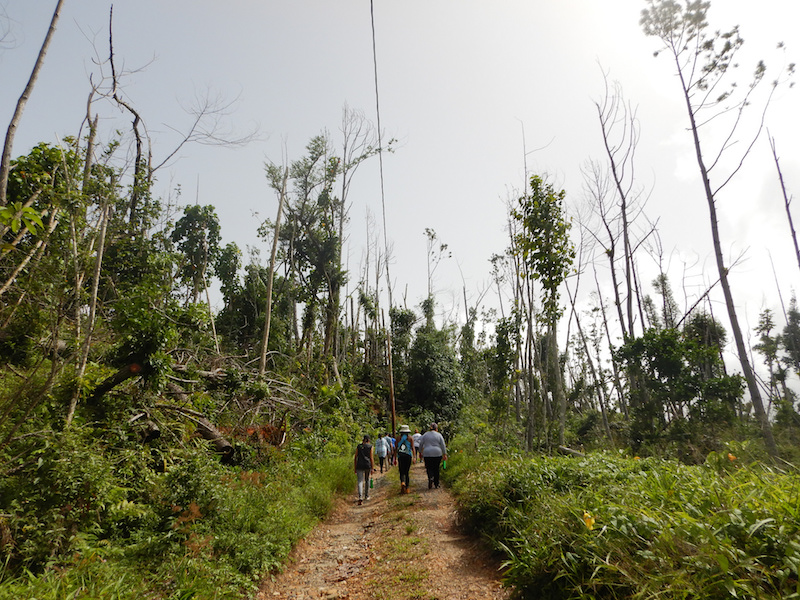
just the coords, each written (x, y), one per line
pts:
(589, 520)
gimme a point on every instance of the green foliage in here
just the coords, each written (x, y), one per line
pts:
(791, 337)
(87, 518)
(69, 488)
(84, 576)
(613, 527)
(310, 238)
(227, 267)
(500, 361)
(545, 241)
(16, 216)
(677, 384)
(197, 236)
(403, 321)
(143, 332)
(133, 264)
(18, 339)
(128, 500)
(434, 376)
(47, 174)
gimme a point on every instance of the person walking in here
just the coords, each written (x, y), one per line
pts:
(434, 451)
(405, 456)
(416, 437)
(382, 447)
(364, 465)
(392, 448)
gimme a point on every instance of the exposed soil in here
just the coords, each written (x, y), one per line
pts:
(394, 545)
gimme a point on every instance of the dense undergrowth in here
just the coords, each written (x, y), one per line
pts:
(611, 526)
(91, 521)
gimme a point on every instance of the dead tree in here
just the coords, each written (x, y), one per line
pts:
(787, 201)
(5, 161)
(702, 61)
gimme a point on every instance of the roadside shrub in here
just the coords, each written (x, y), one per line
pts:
(89, 520)
(70, 487)
(607, 526)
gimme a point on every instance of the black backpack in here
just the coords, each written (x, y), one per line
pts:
(363, 462)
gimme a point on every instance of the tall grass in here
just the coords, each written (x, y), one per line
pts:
(606, 526)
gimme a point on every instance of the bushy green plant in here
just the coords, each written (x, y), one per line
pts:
(615, 527)
(85, 577)
(70, 487)
(90, 520)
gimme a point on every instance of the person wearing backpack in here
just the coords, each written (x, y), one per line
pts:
(392, 448)
(364, 465)
(405, 455)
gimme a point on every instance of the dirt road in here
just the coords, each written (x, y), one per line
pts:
(393, 545)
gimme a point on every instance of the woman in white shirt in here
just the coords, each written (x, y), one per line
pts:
(434, 451)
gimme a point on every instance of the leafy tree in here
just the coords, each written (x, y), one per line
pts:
(679, 380)
(402, 321)
(669, 308)
(16, 216)
(241, 321)
(770, 346)
(544, 241)
(434, 379)
(791, 337)
(37, 265)
(549, 253)
(226, 266)
(197, 236)
(467, 351)
(143, 258)
(500, 359)
(310, 239)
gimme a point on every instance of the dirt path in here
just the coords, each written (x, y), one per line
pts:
(393, 546)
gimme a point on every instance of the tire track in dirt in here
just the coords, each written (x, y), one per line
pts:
(408, 544)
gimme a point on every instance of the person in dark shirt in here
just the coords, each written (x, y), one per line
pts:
(364, 465)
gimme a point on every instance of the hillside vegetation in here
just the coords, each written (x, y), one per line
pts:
(610, 526)
(152, 446)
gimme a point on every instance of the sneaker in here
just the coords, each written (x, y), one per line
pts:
(430, 483)
(402, 488)
(360, 502)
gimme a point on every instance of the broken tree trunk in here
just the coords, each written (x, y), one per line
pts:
(109, 383)
(205, 429)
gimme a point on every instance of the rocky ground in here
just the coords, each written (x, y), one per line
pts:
(393, 546)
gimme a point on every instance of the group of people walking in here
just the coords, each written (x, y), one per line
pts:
(429, 447)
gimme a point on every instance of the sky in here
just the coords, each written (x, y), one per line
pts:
(474, 93)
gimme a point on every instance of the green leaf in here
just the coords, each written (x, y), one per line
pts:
(758, 525)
